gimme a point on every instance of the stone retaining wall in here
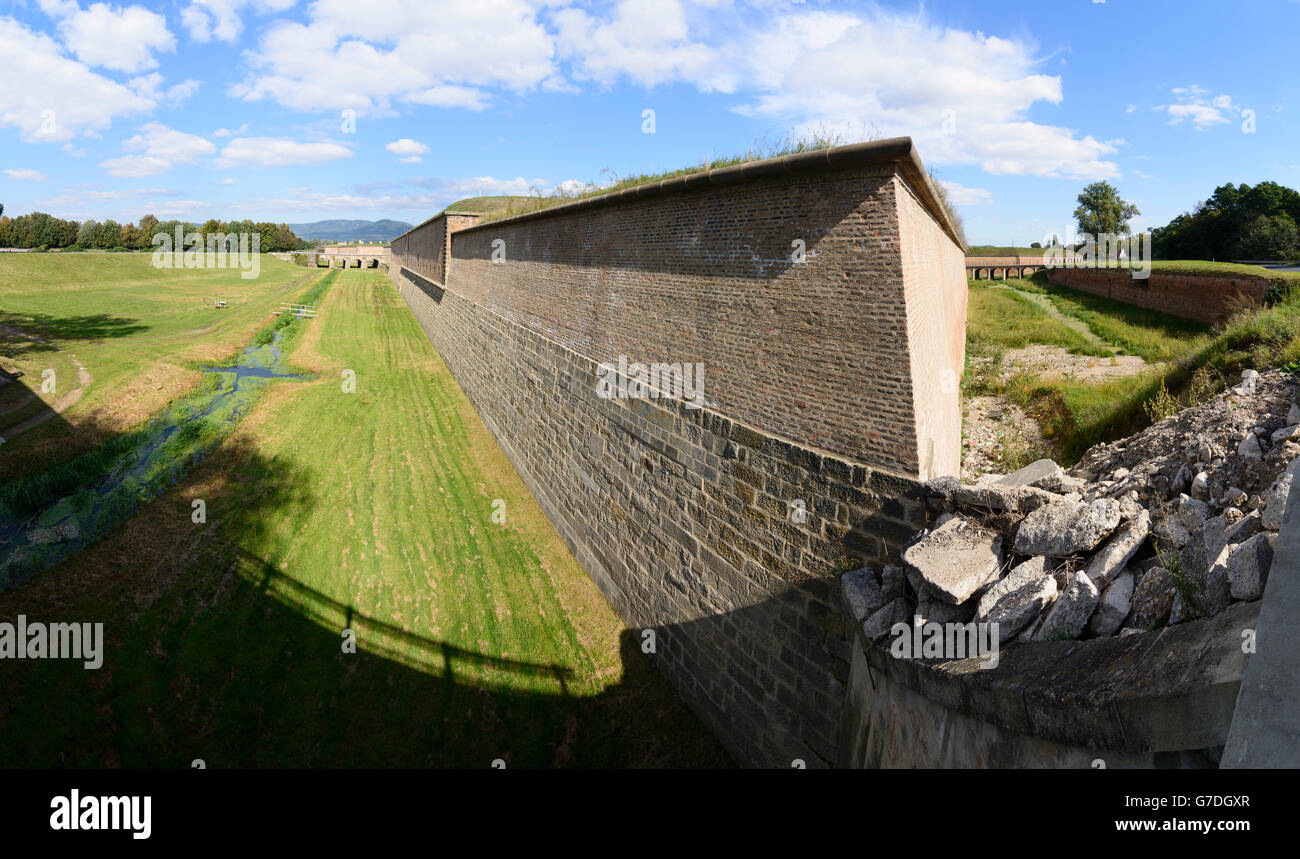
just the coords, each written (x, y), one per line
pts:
(1204, 298)
(1156, 699)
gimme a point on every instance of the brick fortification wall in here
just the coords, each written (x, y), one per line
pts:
(425, 249)
(1204, 298)
(687, 519)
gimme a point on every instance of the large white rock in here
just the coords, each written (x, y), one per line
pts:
(1277, 495)
(1123, 544)
(1069, 615)
(1116, 602)
(1153, 599)
(1022, 574)
(1042, 473)
(1250, 448)
(1285, 433)
(1248, 566)
(1067, 528)
(956, 560)
(1017, 600)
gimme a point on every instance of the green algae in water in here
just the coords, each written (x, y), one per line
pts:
(135, 468)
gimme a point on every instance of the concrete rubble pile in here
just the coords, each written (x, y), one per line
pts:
(1174, 523)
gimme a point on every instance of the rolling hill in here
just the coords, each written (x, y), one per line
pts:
(344, 230)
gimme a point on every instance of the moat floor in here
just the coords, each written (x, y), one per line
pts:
(388, 511)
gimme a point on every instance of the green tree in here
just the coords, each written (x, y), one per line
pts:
(285, 240)
(1102, 210)
(1270, 237)
(109, 234)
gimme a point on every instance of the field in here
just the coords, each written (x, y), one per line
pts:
(389, 512)
(123, 338)
(1184, 359)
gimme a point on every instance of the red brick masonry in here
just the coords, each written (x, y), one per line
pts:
(1203, 298)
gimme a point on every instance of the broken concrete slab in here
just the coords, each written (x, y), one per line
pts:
(1015, 608)
(1115, 605)
(1066, 528)
(1153, 599)
(1110, 561)
(991, 496)
(1031, 570)
(1248, 566)
(1277, 495)
(883, 619)
(1069, 615)
(1042, 473)
(956, 560)
(1244, 528)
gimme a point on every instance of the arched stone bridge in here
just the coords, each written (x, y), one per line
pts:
(1000, 268)
(346, 260)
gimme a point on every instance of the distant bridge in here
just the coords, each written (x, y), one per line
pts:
(352, 260)
(1000, 268)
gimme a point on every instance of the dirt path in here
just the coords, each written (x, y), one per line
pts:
(60, 406)
(1078, 325)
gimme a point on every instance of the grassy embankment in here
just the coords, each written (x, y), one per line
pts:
(1191, 362)
(370, 511)
(139, 332)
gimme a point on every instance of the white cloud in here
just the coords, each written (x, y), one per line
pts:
(962, 96)
(278, 152)
(438, 54)
(406, 146)
(22, 173)
(449, 96)
(93, 201)
(122, 39)
(226, 132)
(648, 42)
(1195, 104)
(223, 19)
(154, 149)
(58, 8)
(227, 181)
(150, 86)
(960, 195)
(51, 97)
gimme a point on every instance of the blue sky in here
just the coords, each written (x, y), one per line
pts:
(234, 109)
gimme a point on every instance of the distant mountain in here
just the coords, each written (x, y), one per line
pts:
(340, 231)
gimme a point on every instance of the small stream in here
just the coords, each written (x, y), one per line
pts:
(168, 447)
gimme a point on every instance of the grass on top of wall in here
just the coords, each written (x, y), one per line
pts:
(498, 208)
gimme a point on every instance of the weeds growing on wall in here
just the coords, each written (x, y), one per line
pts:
(789, 145)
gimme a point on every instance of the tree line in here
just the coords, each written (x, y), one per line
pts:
(1237, 222)
(41, 231)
